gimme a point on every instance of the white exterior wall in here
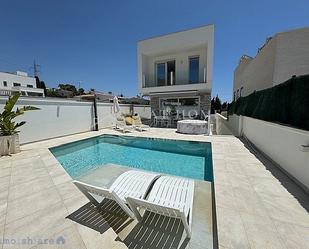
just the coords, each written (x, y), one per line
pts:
(64, 117)
(292, 55)
(280, 143)
(24, 81)
(285, 55)
(11, 78)
(177, 46)
(257, 74)
(144, 111)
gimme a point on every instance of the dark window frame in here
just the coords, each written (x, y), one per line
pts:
(193, 79)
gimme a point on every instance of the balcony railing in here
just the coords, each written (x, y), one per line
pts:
(146, 83)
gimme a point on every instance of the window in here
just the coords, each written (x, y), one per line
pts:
(170, 65)
(189, 101)
(234, 97)
(161, 74)
(237, 93)
(5, 83)
(194, 70)
(16, 84)
(240, 92)
(31, 86)
(165, 72)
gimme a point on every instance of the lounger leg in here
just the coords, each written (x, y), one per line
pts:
(85, 192)
(134, 210)
(185, 223)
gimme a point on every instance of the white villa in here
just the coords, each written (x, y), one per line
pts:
(175, 70)
(19, 82)
(282, 56)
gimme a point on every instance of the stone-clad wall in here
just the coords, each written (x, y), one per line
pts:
(205, 102)
(155, 105)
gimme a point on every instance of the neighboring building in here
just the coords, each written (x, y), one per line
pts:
(282, 56)
(11, 83)
(100, 96)
(175, 70)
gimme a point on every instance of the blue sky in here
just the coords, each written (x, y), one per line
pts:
(94, 42)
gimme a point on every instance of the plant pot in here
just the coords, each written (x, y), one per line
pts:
(9, 145)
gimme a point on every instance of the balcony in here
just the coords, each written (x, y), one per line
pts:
(171, 83)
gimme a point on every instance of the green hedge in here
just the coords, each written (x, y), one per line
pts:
(286, 103)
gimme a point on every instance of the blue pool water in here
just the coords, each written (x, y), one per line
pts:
(181, 158)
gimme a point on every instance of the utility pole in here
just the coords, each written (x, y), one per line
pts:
(36, 69)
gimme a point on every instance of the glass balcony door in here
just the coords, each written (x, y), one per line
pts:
(193, 70)
(165, 73)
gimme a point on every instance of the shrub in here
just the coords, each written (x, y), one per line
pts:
(286, 103)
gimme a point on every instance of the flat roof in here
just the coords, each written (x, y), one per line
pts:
(175, 32)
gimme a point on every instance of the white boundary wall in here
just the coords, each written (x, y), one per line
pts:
(280, 143)
(61, 117)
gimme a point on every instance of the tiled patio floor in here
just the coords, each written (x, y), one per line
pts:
(257, 205)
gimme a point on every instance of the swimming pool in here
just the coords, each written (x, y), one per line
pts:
(181, 158)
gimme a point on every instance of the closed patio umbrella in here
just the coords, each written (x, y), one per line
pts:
(116, 107)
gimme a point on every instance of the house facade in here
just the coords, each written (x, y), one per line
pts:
(175, 71)
(11, 83)
(282, 56)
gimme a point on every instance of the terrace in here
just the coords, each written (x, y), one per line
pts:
(254, 204)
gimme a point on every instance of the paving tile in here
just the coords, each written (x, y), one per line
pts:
(222, 177)
(39, 225)
(231, 231)
(285, 210)
(4, 183)
(24, 161)
(75, 202)
(257, 170)
(261, 232)
(20, 169)
(68, 190)
(67, 238)
(248, 201)
(225, 196)
(233, 166)
(293, 236)
(29, 187)
(28, 176)
(220, 165)
(93, 239)
(238, 180)
(27, 205)
(5, 162)
(3, 211)
(269, 186)
(62, 178)
(5, 172)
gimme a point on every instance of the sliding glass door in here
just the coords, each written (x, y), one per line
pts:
(165, 73)
(194, 70)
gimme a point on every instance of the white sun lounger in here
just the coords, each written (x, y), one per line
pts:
(121, 125)
(138, 125)
(170, 196)
(132, 183)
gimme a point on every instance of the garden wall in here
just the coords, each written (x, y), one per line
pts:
(282, 144)
(61, 117)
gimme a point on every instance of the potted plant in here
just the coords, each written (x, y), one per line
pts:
(9, 140)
